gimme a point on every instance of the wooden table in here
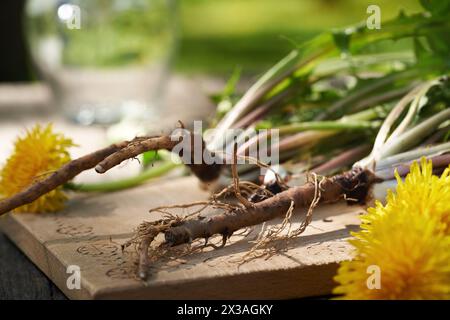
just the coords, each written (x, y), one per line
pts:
(20, 278)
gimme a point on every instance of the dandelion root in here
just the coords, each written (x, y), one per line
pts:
(353, 185)
(104, 160)
(57, 178)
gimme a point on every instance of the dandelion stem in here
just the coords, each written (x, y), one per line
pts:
(413, 154)
(328, 125)
(415, 134)
(151, 173)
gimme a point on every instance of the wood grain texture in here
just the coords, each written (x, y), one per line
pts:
(89, 233)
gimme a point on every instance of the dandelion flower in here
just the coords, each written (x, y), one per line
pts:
(407, 241)
(37, 154)
(424, 193)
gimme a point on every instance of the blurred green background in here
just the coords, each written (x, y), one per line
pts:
(220, 35)
(216, 36)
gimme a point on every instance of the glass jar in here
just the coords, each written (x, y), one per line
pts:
(104, 59)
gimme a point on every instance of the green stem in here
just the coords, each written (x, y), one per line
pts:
(111, 186)
(411, 155)
(414, 135)
(368, 114)
(328, 125)
(352, 99)
(359, 120)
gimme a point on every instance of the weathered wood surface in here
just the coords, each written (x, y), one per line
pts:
(89, 233)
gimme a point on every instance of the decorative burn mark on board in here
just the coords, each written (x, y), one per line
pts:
(119, 264)
(123, 264)
(98, 249)
(123, 272)
(330, 249)
(73, 229)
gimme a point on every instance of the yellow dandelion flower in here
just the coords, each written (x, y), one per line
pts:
(37, 154)
(405, 243)
(424, 193)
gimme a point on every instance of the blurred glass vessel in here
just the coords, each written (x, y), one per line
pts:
(104, 59)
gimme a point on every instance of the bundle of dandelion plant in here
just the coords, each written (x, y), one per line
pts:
(332, 106)
(328, 86)
(325, 87)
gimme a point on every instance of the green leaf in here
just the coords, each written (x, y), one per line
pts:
(436, 99)
(436, 7)
(230, 87)
(149, 158)
(419, 48)
(447, 136)
(342, 39)
(439, 43)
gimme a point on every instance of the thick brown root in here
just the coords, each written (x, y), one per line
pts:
(59, 177)
(133, 149)
(205, 172)
(352, 185)
(104, 160)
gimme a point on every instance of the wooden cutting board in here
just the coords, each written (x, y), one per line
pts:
(89, 232)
